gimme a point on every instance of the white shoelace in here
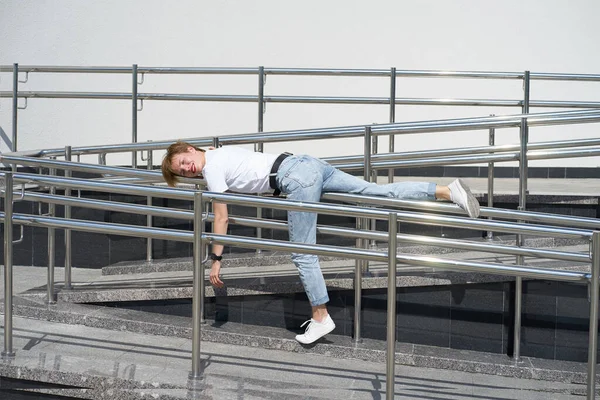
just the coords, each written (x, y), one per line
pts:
(306, 322)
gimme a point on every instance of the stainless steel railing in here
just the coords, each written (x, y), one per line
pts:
(576, 148)
(370, 161)
(261, 99)
(200, 238)
(494, 122)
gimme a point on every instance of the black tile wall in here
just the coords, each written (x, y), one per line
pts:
(473, 317)
(477, 317)
(423, 316)
(538, 319)
(572, 315)
(499, 172)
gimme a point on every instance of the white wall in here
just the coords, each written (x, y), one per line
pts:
(468, 35)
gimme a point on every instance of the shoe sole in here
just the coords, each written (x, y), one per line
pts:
(329, 331)
(472, 203)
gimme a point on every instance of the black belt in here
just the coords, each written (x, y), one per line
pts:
(273, 174)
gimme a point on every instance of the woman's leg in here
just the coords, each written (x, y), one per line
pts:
(302, 179)
(339, 181)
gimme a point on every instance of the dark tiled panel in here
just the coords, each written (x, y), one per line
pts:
(167, 248)
(591, 173)
(506, 172)
(538, 336)
(572, 314)
(374, 313)
(477, 317)
(557, 173)
(275, 311)
(462, 172)
(423, 316)
(341, 309)
(473, 317)
(538, 173)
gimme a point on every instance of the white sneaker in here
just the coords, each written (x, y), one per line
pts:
(462, 196)
(315, 330)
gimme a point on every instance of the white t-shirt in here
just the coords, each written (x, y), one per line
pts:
(237, 169)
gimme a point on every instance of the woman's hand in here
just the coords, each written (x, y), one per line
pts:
(215, 279)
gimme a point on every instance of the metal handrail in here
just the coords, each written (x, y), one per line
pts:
(199, 239)
(421, 261)
(184, 194)
(462, 150)
(322, 229)
(404, 216)
(304, 71)
(298, 99)
(446, 208)
(447, 125)
(523, 154)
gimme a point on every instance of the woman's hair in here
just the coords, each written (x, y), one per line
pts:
(176, 148)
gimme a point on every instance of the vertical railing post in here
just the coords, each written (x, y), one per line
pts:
(8, 352)
(149, 248)
(367, 154)
(358, 273)
(490, 203)
(15, 108)
(68, 260)
(524, 138)
(259, 147)
(390, 376)
(374, 150)
(51, 246)
(261, 97)
(392, 137)
(367, 174)
(523, 172)
(593, 333)
(198, 291)
(134, 99)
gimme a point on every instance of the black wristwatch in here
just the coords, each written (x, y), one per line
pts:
(215, 257)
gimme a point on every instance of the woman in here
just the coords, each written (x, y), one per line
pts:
(302, 178)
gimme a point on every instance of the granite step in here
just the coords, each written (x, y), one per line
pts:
(562, 377)
(269, 258)
(263, 278)
(69, 361)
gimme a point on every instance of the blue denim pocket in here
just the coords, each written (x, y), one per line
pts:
(300, 174)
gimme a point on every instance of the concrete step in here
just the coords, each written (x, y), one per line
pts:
(94, 363)
(260, 277)
(138, 329)
(244, 281)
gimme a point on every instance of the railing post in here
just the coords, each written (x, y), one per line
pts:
(51, 246)
(261, 97)
(593, 334)
(8, 353)
(367, 154)
(68, 261)
(259, 147)
(390, 376)
(367, 177)
(490, 203)
(149, 248)
(374, 150)
(134, 99)
(523, 172)
(358, 273)
(198, 291)
(15, 109)
(392, 137)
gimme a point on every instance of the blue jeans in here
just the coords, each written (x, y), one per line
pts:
(305, 178)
